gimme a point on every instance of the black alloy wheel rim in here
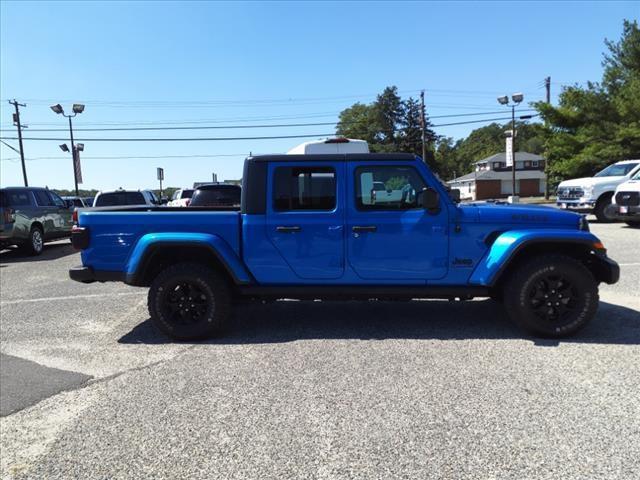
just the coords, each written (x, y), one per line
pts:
(185, 303)
(554, 298)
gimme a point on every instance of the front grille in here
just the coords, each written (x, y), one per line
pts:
(570, 193)
(630, 199)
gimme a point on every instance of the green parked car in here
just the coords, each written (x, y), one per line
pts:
(30, 216)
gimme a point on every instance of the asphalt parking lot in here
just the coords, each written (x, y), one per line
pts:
(425, 389)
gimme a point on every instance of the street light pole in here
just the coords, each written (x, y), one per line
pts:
(73, 154)
(504, 100)
(75, 157)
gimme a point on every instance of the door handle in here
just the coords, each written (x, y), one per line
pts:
(361, 228)
(291, 229)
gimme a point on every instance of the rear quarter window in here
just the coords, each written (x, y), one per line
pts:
(120, 198)
(14, 198)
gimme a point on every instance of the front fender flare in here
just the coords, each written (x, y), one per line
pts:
(221, 249)
(507, 245)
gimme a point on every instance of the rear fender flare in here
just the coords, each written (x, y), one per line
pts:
(149, 242)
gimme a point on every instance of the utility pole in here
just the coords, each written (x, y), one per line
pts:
(547, 86)
(423, 126)
(16, 121)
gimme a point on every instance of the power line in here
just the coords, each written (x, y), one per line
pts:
(222, 127)
(206, 139)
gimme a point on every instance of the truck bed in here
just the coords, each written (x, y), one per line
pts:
(115, 231)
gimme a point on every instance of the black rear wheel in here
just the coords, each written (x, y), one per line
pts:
(188, 301)
(551, 296)
(35, 243)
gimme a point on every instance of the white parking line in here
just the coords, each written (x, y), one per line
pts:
(70, 297)
(629, 264)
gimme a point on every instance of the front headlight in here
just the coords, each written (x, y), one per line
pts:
(588, 191)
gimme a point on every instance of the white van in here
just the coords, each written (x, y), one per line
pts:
(330, 145)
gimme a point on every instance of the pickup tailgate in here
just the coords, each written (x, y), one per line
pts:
(113, 233)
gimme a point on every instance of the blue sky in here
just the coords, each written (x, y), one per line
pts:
(213, 63)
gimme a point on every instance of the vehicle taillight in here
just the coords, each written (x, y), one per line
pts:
(79, 237)
(188, 202)
(9, 216)
(75, 216)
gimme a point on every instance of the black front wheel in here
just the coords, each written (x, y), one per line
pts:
(188, 301)
(602, 212)
(551, 296)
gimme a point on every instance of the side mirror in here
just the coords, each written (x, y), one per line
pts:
(429, 199)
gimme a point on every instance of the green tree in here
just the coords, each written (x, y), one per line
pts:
(596, 125)
(389, 124)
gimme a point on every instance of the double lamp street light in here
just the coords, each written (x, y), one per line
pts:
(75, 149)
(504, 100)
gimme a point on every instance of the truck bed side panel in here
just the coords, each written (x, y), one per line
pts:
(114, 234)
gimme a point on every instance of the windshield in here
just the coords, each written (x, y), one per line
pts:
(617, 170)
(119, 198)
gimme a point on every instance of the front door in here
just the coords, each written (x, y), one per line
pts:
(305, 220)
(391, 237)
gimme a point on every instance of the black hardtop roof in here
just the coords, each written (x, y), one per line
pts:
(336, 157)
(217, 186)
(23, 188)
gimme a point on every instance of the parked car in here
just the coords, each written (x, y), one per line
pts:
(88, 201)
(594, 195)
(75, 202)
(125, 197)
(216, 195)
(181, 197)
(31, 216)
(626, 202)
(306, 230)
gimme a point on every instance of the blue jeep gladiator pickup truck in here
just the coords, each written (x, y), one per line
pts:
(346, 226)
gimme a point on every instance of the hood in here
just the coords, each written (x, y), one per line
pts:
(590, 181)
(510, 214)
(630, 186)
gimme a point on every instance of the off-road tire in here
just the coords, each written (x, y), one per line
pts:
(601, 206)
(571, 294)
(35, 243)
(188, 301)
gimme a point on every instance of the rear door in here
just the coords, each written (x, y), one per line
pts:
(389, 236)
(305, 217)
(64, 219)
(47, 213)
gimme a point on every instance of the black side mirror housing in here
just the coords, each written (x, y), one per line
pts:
(429, 199)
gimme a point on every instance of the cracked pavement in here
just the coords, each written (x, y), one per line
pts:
(317, 390)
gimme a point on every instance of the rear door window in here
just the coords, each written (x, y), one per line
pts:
(114, 199)
(304, 188)
(43, 199)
